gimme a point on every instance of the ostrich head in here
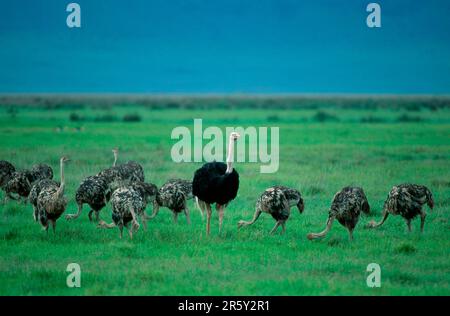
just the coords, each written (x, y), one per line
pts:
(64, 159)
(234, 136)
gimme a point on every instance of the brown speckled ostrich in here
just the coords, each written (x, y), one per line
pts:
(34, 193)
(51, 202)
(276, 201)
(346, 207)
(216, 182)
(7, 170)
(95, 192)
(128, 204)
(122, 174)
(406, 200)
(22, 181)
(174, 195)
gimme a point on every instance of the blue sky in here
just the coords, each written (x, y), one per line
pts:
(229, 46)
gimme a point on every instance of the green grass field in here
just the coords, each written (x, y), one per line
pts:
(324, 146)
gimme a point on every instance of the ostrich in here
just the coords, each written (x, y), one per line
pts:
(34, 193)
(122, 174)
(276, 201)
(93, 191)
(406, 200)
(6, 171)
(346, 207)
(174, 195)
(22, 181)
(51, 202)
(128, 203)
(216, 182)
(96, 190)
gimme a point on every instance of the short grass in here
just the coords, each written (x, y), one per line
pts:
(321, 150)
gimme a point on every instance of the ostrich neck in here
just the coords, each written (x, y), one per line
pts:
(230, 156)
(115, 159)
(62, 185)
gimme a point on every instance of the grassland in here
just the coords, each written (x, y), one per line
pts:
(325, 144)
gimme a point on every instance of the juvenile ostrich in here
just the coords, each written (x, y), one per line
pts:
(96, 190)
(51, 202)
(346, 207)
(406, 200)
(174, 195)
(122, 174)
(34, 193)
(276, 201)
(216, 182)
(6, 171)
(93, 191)
(128, 203)
(21, 182)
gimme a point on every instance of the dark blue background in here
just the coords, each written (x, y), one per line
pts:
(227, 46)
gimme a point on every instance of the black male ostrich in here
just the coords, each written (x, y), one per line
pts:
(128, 204)
(216, 182)
(276, 201)
(22, 181)
(174, 195)
(6, 171)
(51, 202)
(346, 207)
(406, 200)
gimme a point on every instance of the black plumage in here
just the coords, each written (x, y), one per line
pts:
(212, 185)
(276, 201)
(346, 207)
(174, 195)
(216, 182)
(406, 200)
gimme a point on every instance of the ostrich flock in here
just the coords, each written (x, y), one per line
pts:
(124, 187)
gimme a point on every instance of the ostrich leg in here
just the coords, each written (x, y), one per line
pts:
(208, 218)
(53, 223)
(278, 223)
(135, 224)
(121, 231)
(200, 206)
(221, 209)
(350, 233)
(186, 212)
(422, 220)
(283, 226)
(144, 219)
(74, 216)
(408, 224)
(373, 224)
(175, 217)
(155, 210)
(255, 217)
